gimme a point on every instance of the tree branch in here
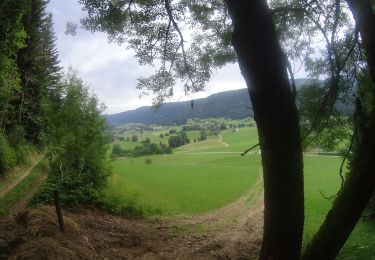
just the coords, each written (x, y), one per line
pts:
(248, 150)
(175, 25)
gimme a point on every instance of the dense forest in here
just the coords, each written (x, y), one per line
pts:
(43, 109)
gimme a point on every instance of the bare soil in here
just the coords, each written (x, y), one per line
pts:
(232, 232)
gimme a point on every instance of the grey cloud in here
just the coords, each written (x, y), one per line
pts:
(111, 70)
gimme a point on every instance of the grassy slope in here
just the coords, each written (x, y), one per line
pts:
(215, 177)
(183, 184)
(22, 190)
(238, 142)
(321, 174)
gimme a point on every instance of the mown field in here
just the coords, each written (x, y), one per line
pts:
(183, 183)
(207, 175)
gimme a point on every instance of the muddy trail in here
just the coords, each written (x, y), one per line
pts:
(232, 232)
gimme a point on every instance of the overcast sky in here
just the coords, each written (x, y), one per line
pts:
(111, 70)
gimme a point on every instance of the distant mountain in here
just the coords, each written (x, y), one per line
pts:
(233, 104)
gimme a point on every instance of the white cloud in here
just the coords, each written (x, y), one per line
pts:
(111, 70)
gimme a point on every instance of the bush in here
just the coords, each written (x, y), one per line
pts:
(79, 168)
(73, 192)
(148, 161)
(134, 138)
(178, 140)
(8, 157)
(117, 151)
(203, 135)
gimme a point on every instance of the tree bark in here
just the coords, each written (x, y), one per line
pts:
(262, 65)
(350, 203)
(360, 184)
(364, 18)
(58, 211)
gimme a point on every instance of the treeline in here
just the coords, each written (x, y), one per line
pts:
(178, 139)
(42, 109)
(147, 148)
(29, 79)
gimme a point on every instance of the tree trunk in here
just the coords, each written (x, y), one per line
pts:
(360, 184)
(350, 203)
(364, 18)
(262, 65)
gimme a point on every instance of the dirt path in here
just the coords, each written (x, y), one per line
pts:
(222, 142)
(13, 183)
(232, 232)
(22, 203)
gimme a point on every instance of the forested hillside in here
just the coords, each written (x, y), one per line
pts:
(44, 110)
(233, 104)
(29, 79)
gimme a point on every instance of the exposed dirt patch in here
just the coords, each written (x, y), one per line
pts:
(232, 232)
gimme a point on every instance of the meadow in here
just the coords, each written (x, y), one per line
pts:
(207, 175)
(183, 183)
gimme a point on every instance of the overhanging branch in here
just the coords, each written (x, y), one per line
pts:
(175, 25)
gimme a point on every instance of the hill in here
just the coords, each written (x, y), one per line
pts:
(233, 104)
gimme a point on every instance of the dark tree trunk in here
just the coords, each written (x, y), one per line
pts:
(350, 203)
(360, 185)
(262, 65)
(364, 18)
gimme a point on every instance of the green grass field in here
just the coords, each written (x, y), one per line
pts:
(322, 175)
(207, 175)
(183, 183)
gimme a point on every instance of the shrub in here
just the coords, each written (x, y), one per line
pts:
(178, 140)
(8, 157)
(79, 168)
(148, 161)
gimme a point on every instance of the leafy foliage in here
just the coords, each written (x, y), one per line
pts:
(337, 131)
(178, 139)
(28, 72)
(7, 156)
(77, 146)
(157, 31)
(134, 138)
(147, 148)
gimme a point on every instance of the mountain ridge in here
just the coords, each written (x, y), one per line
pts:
(233, 104)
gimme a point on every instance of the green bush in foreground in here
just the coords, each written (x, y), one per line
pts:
(77, 149)
(7, 156)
